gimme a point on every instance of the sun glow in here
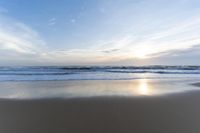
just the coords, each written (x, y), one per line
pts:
(141, 52)
(140, 55)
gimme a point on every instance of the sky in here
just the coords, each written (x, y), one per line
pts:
(99, 32)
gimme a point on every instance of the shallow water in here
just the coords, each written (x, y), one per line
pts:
(94, 88)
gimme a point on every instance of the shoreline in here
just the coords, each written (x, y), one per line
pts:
(95, 88)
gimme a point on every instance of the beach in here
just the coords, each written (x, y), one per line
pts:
(170, 113)
(177, 113)
(99, 66)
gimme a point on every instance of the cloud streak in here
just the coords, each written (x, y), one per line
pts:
(16, 37)
(52, 21)
(21, 40)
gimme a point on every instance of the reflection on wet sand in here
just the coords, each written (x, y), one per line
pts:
(143, 87)
(92, 88)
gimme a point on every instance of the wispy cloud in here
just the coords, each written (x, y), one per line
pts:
(16, 37)
(128, 31)
(52, 21)
(176, 36)
(19, 39)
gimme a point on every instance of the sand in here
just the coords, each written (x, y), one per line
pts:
(178, 113)
(196, 84)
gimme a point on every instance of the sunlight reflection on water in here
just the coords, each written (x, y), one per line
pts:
(88, 88)
(144, 87)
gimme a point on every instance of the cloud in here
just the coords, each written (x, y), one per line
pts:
(158, 44)
(110, 51)
(52, 21)
(18, 38)
(73, 20)
(188, 56)
(176, 36)
(20, 44)
(142, 34)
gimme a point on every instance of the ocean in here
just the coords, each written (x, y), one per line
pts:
(57, 73)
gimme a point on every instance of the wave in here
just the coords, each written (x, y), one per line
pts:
(99, 67)
(156, 72)
(57, 70)
(94, 72)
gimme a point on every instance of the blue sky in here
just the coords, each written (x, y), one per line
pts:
(99, 32)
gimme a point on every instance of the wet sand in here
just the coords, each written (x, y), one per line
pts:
(196, 84)
(176, 113)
